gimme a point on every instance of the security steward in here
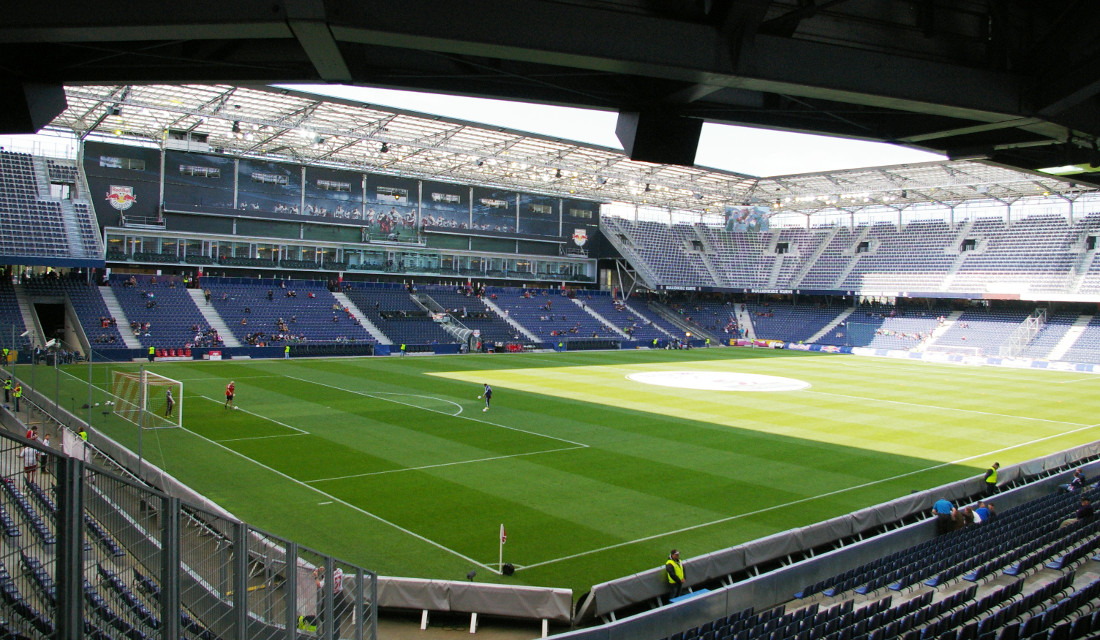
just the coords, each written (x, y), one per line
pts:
(674, 571)
(18, 393)
(152, 353)
(7, 390)
(991, 479)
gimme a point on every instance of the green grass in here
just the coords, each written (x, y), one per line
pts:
(390, 462)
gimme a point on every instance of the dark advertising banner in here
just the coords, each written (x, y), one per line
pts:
(198, 182)
(538, 215)
(391, 208)
(494, 211)
(446, 207)
(334, 196)
(269, 190)
(580, 222)
(124, 181)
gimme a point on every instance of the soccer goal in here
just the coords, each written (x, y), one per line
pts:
(142, 397)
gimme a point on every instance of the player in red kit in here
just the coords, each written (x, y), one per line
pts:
(230, 389)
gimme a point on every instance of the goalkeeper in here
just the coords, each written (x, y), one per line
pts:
(169, 403)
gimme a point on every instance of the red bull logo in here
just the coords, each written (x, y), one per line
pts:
(121, 198)
(580, 236)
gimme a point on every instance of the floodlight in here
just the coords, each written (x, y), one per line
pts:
(385, 147)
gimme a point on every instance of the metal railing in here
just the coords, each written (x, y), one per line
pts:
(87, 546)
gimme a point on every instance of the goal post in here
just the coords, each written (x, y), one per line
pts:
(142, 397)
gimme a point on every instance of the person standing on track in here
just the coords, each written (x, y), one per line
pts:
(230, 390)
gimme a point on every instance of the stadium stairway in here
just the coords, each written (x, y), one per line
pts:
(605, 321)
(744, 320)
(832, 325)
(1067, 341)
(656, 325)
(213, 318)
(373, 330)
(30, 319)
(500, 312)
(119, 315)
(940, 330)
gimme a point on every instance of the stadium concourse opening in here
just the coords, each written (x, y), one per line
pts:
(718, 381)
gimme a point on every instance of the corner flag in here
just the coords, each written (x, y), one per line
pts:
(500, 549)
(503, 535)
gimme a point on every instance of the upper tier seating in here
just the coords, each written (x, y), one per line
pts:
(1039, 253)
(912, 258)
(1033, 252)
(828, 267)
(312, 314)
(33, 224)
(390, 308)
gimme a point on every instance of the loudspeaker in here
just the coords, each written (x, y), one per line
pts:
(29, 107)
(508, 569)
(659, 136)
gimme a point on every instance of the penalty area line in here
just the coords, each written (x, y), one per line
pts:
(344, 502)
(443, 464)
(253, 413)
(453, 415)
(807, 498)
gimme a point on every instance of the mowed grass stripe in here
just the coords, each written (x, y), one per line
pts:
(664, 467)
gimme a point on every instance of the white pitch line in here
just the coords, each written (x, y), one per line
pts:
(806, 499)
(285, 435)
(442, 464)
(252, 413)
(938, 408)
(416, 406)
(1092, 379)
(343, 502)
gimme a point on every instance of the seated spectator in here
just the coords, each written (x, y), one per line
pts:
(1084, 512)
(984, 512)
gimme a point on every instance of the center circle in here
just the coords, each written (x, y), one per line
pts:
(718, 381)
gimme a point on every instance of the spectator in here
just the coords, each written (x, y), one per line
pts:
(1084, 512)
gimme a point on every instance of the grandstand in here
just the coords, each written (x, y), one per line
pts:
(278, 240)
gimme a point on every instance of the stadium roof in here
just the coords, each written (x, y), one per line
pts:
(285, 125)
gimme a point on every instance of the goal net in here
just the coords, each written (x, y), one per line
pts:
(955, 349)
(147, 399)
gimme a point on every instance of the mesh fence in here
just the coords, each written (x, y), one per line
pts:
(143, 564)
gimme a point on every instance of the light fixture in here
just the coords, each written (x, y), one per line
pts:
(385, 147)
(601, 179)
(647, 187)
(557, 174)
(236, 126)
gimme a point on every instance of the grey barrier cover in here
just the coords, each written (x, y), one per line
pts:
(490, 599)
(651, 585)
(776, 587)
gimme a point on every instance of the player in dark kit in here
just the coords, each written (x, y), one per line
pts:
(488, 395)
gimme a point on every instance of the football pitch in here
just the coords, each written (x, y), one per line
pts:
(596, 463)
